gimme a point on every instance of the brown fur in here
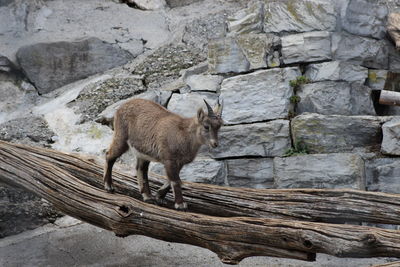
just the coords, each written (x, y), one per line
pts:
(159, 135)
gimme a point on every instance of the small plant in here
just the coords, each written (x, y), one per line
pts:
(294, 99)
(300, 80)
(299, 148)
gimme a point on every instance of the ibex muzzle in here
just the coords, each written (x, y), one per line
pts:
(156, 134)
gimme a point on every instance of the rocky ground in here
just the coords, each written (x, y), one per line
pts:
(74, 243)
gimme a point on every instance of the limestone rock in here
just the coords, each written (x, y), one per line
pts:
(393, 27)
(243, 52)
(107, 115)
(266, 139)
(336, 71)
(52, 65)
(299, 16)
(225, 55)
(340, 170)
(32, 131)
(201, 170)
(306, 47)
(204, 82)
(253, 173)
(187, 105)
(96, 97)
(257, 47)
(382, 175)
(388, 178)
(200, 31)
(367, 52)
(258, 96)
(340, 98)
(366, 18)
(248, 20)
(391, 137)
(336, 133)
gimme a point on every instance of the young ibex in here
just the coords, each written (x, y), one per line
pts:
(156, 134)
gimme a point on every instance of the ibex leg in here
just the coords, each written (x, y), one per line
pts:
(117, 148)
(172, 170)
(162, 192)
(142, 167)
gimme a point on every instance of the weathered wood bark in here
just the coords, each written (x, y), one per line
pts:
(389, 98)
(344, 205)
(389, 264)
(231, 238)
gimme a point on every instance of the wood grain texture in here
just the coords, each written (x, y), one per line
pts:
(70, 183)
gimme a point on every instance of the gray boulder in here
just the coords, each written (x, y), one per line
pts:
(336, 71)
(257, 47)
(391, 137)
(382, 175)
(337, 133)
(204, 82)
(243, 52)
(320, 171)
(306, 47)
(366, 18)
(367, 52)
(187, 105)
(201, 170)
(340, 98)
(299, 16)
(52, 65)
(266, 139)
(387, 179)
(225, 55)
(258, 96)
(247, 20)
(253, 173)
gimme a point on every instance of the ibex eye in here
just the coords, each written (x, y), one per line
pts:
(207, 127)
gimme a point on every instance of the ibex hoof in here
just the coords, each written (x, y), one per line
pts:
(182, 206)
(150, 201)
(109, 188)
(161, 201)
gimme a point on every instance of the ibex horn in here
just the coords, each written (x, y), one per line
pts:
(220, 107)
(209, 109)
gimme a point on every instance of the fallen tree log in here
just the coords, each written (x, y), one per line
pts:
(231, 238)
(389, 264)
(336, 206)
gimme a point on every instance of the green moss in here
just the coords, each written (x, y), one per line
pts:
(299, 148)
(310, 9)
(372, 76)
(291, 7)
(300, 80)
(294, 99)
(95, 132)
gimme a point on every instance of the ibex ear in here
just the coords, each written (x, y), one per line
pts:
(218, 108)
(200, 115)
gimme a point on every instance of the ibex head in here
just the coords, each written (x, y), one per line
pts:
(210, 123)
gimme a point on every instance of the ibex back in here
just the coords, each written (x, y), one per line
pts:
(156, 134)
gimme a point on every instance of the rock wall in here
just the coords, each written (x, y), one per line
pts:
(303, 74)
